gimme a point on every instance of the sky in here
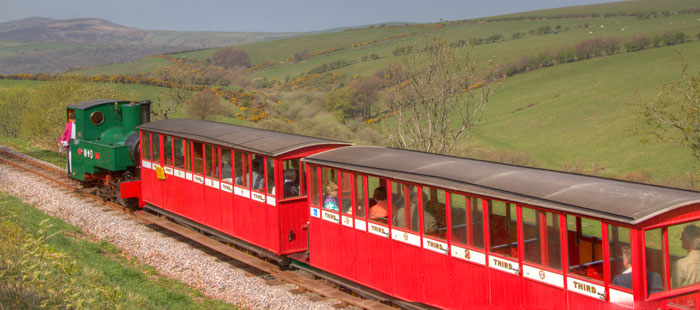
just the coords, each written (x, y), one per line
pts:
(269, 15)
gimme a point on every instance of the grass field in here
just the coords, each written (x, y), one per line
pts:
(582, 111)
(99, 263)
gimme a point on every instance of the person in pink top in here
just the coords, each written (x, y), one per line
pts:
(68, 134)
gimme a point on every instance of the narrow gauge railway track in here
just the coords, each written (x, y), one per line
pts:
(57, 176)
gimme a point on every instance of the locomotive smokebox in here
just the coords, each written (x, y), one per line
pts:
(145, 111)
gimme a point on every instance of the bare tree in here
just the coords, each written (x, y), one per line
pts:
(230, 57)
(204, 105)
(174, 96)
(674, 114)
(438, 96)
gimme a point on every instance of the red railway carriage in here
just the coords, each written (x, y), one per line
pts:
(230, 181)
(456, 233)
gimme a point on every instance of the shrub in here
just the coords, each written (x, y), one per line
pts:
(638, 43)
(565, 55)
(204, 105)
(230, 57)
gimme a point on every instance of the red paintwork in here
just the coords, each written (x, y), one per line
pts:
(131, 189)
(260, 223)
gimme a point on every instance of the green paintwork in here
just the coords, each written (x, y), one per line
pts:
(106, 139)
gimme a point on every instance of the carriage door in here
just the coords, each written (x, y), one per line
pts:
(586, 266)
(503, 259)
(543, 284)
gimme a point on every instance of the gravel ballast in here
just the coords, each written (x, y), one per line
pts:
(169, 256)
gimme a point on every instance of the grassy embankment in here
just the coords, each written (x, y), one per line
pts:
(95, 273)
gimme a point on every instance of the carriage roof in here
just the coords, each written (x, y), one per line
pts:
(259, 141)
(622, 201)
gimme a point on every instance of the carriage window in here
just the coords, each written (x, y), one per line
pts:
(656, 263)
(434, 213)
(197, 158)
(503, 228)
(226, 166)
(211, 154)
(179, 154)
(620, 253)
(270, 176)
(585, 246)
(467, 218)
(684, 254)
(257, 171)
(360, 189)
(146, 145)
(404, 206)
(345, 193)
(378, 204)
(188, 156)
(291, 174)
(168, 151)
(313, 187)
(330, 189)
(156, 147)
(541, 238)
(242, 173)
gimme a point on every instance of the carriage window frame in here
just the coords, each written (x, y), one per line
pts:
(474, 238)
(601, 239)
(314, 188)
(345, 188)
(179, 160)
(146, 146)
(545, 220)
(406, 206)
(380, 182)
(259, 159)
(297, 166)
(270, 176)
(211, 161)
(197, 169)
(329, 185)
(437, 217)
(359, 202)
(226, 153)
(168, 156)
(241, 168)
(511, 222)
(155, 151)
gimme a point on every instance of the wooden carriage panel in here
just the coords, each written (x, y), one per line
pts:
(436, 273)
(332, 242)
(468, 283)
(408, 265)
(380, 258)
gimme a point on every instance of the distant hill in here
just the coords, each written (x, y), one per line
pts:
(100, 31)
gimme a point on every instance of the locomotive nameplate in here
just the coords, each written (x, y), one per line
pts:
(331, 217)
(241, 192)
(198, 179)
(146, 164)
(405, 237)
(544, 276)
(168, 170)
(347, 221)
(505, 265)
(188, 176)
(258, 197)
(179, 173)
(271, 201)
(211, 183)
(468, 255)
(621, 298)
(360, 225)
(586, 288)
(227, 187)
(315, 212)
(378, 230)
(436, 246)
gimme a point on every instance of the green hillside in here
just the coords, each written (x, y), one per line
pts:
(578, 112)
(9, 48)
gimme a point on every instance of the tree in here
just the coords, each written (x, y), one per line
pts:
(438, 97)
(366, 95)
(204, 105)
(673, 115)
(230, 57)
(340, 102)
(174, 96)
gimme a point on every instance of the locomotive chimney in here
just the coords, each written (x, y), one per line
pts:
(145, 111)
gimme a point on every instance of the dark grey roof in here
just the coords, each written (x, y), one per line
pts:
(259, 141)
(89, 104)
(621, 201)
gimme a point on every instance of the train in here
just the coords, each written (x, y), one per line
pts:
(430, 231)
